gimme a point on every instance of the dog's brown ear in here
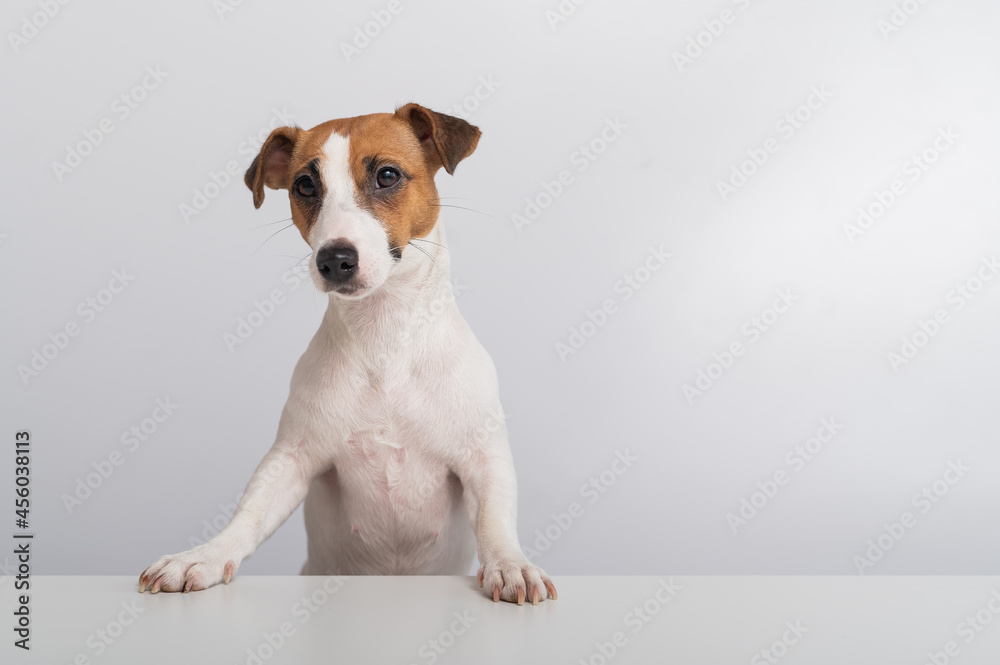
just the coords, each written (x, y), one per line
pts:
(270, 167)
(446, 140)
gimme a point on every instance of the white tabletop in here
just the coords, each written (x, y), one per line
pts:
(687, 620)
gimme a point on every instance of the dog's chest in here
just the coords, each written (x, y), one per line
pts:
(390, 425)
(392, 443)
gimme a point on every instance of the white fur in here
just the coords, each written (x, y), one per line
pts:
(393, 432)
(341, 217)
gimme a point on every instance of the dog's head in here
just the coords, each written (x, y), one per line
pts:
(361, 188)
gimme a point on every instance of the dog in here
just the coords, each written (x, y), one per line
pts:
(393, 432)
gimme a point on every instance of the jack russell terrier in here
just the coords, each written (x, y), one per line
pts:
(390, 433)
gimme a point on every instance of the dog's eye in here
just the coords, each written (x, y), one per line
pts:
(304, 186)
(386, 177)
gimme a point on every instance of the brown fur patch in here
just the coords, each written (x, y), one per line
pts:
(409, 209)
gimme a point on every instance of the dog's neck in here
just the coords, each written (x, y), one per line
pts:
(393, 316)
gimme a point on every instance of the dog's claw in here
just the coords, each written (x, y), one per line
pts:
(551, 588)
(513, 579)
(194, 570)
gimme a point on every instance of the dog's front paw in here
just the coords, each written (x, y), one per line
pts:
(514, 578)
(194, 570)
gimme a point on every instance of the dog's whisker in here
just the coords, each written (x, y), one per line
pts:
(299, 262)
(418, 247)
(289, 256)
(444, 205)
(430, 241)
(287, 219)
(271, 236)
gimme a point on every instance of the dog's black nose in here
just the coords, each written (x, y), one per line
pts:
(338, 262)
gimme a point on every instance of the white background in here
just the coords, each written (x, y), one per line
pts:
(522, 291)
